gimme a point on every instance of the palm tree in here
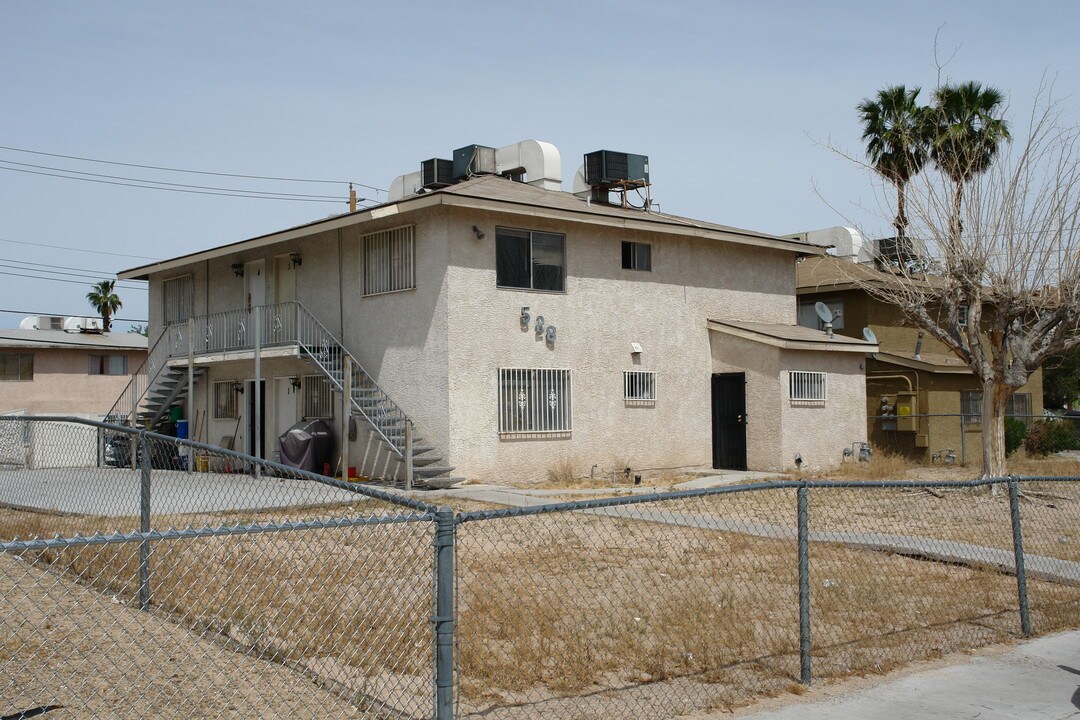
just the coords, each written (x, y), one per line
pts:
(897, 140)
(967, 131)
(105, 301)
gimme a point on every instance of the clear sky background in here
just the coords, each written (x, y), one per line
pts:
(728, 100)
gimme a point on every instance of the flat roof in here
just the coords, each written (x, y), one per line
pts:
(17, 338)
(498, 194)
(792, 337)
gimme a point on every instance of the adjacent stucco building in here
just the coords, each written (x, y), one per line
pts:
(503, 328)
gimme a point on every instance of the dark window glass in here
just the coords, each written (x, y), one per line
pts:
(16, 367)
(530, 260)
(108, 365)
(636, 256)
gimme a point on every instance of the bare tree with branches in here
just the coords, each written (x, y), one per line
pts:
(1009, 254)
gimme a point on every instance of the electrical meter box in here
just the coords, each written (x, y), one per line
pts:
(907, 407)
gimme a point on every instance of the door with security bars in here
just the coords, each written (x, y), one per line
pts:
(729, 421)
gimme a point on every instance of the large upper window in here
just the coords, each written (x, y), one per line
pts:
(16, 367)
(530, 260)
(178, 300)
(389, 261)
(108, 365)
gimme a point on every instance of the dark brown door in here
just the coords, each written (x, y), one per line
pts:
(729, 421)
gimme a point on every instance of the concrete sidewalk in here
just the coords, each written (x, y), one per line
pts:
(1036, 679)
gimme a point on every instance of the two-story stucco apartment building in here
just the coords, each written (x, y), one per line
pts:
(496, 326)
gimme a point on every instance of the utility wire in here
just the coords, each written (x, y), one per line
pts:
(82, 250)
(58, 267)
(73, 282)
(241, 194)
(88, 277)
(162, 182)
(192, 172)
(32, 312)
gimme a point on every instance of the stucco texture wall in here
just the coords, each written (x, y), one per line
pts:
(62, 384)
(603, 309)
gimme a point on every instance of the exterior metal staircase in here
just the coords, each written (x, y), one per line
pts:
(156, 386)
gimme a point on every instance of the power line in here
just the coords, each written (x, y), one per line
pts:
(60, 267)
(240, 194)
(82, 250)
(73, 282)
(172, 184)
(31, 312)
(88, 277)
(192, 172)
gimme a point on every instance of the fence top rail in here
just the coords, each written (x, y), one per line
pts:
(206, 532)
(374, 493)
(591, 504)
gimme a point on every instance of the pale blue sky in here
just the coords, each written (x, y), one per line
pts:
(726, 98)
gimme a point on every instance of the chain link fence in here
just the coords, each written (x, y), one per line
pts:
(243, 588)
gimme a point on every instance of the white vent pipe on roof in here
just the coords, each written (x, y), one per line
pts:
(404, 185)
(849, 243)
(540, 161)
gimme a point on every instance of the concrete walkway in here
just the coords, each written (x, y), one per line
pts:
(1039, 679)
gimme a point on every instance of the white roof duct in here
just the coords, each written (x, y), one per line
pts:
(539, 160)
(404, 185)
(580, 186)
(849, 243)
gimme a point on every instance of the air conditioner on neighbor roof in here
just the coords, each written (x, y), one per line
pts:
(83, 324)
(436, 173)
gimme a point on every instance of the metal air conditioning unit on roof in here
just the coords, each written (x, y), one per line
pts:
(83, 324)
(605, 168)
(474, 160)
(436, 173)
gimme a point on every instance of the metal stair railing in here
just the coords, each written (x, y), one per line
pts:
(130, 403)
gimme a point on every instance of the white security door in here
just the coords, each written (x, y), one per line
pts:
(255, 283)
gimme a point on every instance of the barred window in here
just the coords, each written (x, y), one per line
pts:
(962, 315)
(639, 386)
(317, 394)
(807, 387)
(225, 400)
(178, 299)
(535, 401)
(108, 365)
(1018, 405)
(389, 261)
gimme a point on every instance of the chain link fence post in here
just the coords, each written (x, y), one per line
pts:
(1018, 550)
(804, 584)
(445, 529)
(144, 520)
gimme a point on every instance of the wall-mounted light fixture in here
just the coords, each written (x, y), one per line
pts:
(295, 382)
(238, 387)
(238, 270)
(635, 348)
(295, 260)
(478, 232)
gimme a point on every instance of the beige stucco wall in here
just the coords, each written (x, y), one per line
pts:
(62, 385)
(603, 310)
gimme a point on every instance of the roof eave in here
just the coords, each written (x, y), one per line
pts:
(855, 346)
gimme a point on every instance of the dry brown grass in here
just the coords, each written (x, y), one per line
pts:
(881, 466)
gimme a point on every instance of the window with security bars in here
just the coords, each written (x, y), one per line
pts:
(806, 387)
(317, 395)
(535, 401)
(639, 386)
(389, 261)
(225, 405)
(1018, 405)
(178, 299)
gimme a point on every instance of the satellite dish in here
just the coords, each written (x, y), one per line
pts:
(869, 335)
(823, 312)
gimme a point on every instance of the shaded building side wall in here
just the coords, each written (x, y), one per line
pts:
(62, 383)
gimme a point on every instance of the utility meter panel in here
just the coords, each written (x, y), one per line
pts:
(907, 407)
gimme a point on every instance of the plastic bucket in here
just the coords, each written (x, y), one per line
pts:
(174, 413)
(181, 429)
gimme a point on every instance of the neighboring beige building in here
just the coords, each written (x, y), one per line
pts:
(53, 372)
(515, 328)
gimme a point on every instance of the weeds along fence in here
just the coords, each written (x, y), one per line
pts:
(956, 439)
(243, 588)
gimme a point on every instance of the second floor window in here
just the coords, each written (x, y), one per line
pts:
(530, 260)
(178, 300)
(389, 261)
(108, 365)
(636, 256)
